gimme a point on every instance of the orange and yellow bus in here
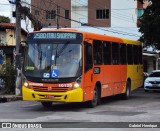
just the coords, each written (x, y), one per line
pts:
(73, 66)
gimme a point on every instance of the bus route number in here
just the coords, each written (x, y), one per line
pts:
(65, 85)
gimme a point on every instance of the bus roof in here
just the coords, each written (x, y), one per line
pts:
(90, 35)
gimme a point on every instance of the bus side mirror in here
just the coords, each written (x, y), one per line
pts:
(22, 49)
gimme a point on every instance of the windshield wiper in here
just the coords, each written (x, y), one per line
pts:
(62, 49)
(40, 59)
(59, 53)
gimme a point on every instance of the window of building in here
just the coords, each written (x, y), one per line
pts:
(97, 52)
(158, 64)
(107, 53)
(123, 57)
(51, 14)
(154, 64)
(115, 53)
(102, 14)
(66, 14)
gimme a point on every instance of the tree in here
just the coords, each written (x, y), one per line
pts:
(150, 25)
(36, 23)
(4, 19)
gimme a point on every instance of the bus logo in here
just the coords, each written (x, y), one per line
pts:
(46, 75)
(54, 73)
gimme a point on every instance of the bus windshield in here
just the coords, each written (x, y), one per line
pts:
(53, 60)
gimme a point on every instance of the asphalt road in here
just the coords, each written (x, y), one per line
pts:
(141, 107)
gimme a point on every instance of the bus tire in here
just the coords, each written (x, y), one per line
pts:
(96, 98)
(126, 95)
(46, 104)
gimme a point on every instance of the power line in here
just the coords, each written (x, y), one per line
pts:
(116, 15)
(51, 2)
(124, 9)
(120, 16)
(5, 4)
(109, 30)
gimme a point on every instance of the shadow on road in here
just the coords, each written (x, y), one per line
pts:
(137, 95)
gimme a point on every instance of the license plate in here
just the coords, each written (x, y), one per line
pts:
(49, 96)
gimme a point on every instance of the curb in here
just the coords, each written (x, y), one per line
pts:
(8, 98)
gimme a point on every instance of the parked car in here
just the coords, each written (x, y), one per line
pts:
(152, 82)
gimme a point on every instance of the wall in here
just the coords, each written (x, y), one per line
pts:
(79, 12)
(98, 4)
(11, 37)
(150, 62)
(45, 5)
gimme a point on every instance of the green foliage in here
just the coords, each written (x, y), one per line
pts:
(8, 74)
(4, 19)
(150, 25)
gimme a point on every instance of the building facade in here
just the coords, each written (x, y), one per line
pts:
(72, 13)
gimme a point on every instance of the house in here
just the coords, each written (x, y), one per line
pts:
(151, 60)
(8, 40)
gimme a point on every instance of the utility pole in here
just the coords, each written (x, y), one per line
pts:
(57, 16)
(18, 88)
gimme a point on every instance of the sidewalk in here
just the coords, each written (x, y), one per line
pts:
(8, 98)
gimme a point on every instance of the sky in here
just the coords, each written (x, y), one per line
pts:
(123, 17)
(5, 8)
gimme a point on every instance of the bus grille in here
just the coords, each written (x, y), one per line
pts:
(50, 89)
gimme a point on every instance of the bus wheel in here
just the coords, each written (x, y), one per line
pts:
(46, 104)
(126, 95)
(94, 102)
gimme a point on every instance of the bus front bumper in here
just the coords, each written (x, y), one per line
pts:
(75, 95)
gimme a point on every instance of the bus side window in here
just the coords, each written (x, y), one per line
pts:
(107, 53)
(123, 56)
(97, 51)
(129, 54)
(88, 56)
(115, 53)
(136, 54)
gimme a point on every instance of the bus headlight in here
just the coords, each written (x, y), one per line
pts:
(26, 84)
(77, 83)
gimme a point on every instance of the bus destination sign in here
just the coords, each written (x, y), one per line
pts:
(55, 35)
